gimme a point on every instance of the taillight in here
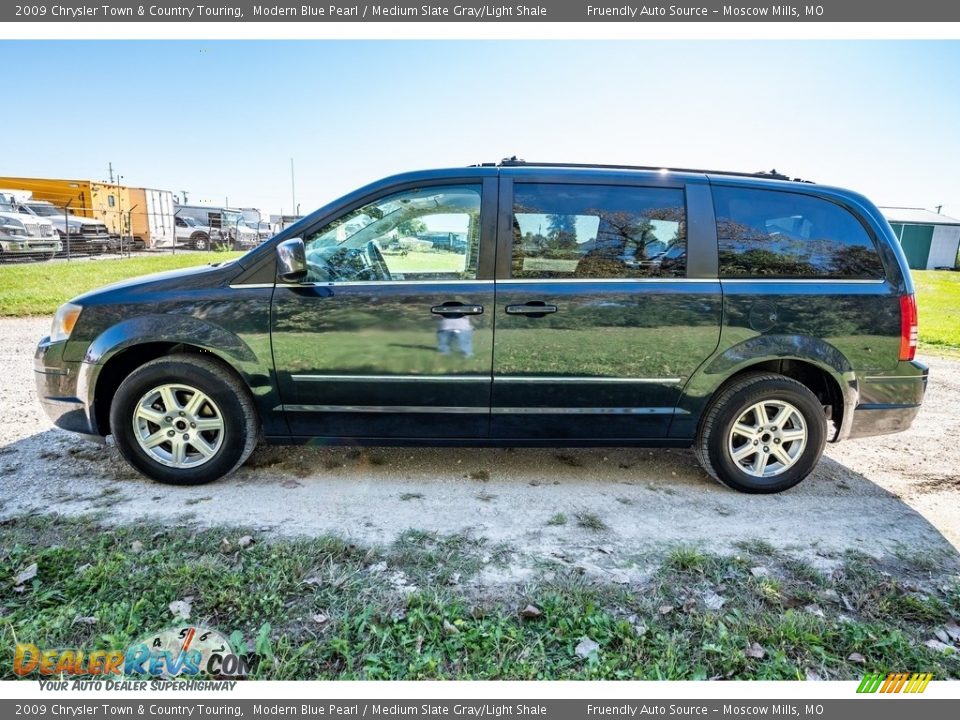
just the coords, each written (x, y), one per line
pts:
(908, 327)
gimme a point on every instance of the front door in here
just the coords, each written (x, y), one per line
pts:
(598, 325)
(391, 334)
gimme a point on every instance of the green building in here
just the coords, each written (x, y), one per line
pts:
(930, 240)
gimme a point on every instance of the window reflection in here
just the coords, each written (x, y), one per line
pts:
(767, 233)
(607, 232)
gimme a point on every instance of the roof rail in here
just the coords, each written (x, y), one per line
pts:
(518, 162)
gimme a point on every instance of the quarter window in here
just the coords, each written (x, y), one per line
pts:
(429, 233)
(591, 231)
(769, 233)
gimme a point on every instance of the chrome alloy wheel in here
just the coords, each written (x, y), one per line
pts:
(768, 438)
(178, 426)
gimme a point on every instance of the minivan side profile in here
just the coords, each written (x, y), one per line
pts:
(750, 317)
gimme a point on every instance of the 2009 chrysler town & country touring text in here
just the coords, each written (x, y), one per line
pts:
(751, 317)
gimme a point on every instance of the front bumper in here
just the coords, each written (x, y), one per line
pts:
(31, 246)
(889, 403)
(57, 390)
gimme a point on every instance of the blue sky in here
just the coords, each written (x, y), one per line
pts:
(221, 119)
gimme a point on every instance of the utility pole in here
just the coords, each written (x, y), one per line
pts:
(110, 165)
(939, 208)
(120, 211)
(293, 187)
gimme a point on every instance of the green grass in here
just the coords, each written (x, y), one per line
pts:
(40, 288)
(938, 301)
(590, 521)
(387, 611)
(418, 261)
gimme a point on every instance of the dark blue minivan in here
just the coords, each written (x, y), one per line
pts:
(748, 316)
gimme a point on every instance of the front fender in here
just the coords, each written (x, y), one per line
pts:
(741, 356)
(173, 329)
(168, 329)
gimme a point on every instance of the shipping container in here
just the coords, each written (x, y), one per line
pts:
(145, 214)
(86, 198)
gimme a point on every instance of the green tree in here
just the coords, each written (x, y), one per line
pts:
(412, 227)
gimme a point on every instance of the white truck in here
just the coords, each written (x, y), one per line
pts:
(23, 234)
(85, 234)
(226, 225)
(192, 233)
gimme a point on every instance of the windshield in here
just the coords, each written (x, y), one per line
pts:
(6, 205)
(43, 209)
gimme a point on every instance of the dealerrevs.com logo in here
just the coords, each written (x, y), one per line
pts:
(894, 682)
(190, 651)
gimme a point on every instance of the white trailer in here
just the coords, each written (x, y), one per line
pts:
(153, 219)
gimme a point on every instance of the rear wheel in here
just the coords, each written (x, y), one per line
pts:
(763, 433)
(184, 419)
(200, 242)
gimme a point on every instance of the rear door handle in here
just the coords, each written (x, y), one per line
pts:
(535, 308)
(457, 309)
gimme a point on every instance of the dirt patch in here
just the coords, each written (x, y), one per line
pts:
(880, 495)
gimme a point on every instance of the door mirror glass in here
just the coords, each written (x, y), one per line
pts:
(291, 260)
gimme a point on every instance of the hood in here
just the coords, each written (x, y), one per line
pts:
(78, 220)
(26, 218)
(156, 284)
(195, 228)
(75, 220)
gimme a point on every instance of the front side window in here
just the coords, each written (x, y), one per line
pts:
(770, 233)
(429, 233)
(592, 231)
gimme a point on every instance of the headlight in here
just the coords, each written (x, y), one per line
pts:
(14, 227)
(64, 321)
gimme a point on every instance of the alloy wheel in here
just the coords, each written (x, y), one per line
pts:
(768, 438)
(178, 426)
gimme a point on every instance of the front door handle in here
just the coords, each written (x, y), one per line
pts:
(456, 309)
(535, 309)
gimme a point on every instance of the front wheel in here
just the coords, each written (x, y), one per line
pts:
(201, 242)
(763, 433)
(184, 420)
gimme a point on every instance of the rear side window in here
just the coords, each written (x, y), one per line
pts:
(594, 231)
(769, 233)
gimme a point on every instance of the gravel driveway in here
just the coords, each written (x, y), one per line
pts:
(890, 495)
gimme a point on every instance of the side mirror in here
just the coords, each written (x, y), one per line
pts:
(291, 260)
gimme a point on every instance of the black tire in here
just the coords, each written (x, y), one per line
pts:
(726, 408)
(240, 422)
(200, 242)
